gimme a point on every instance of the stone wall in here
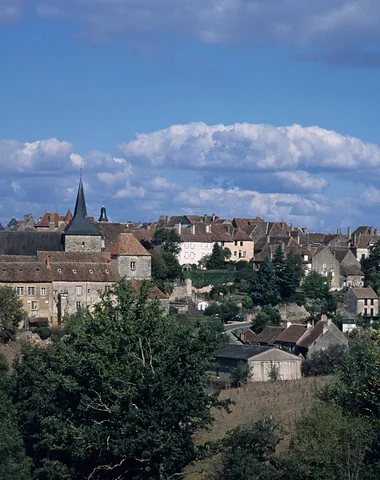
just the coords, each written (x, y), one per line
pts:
(142, 267)
(83, 243)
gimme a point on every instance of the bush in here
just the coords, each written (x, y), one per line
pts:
(203, 278)
(240, 375)
(324, 362)
(44, 332)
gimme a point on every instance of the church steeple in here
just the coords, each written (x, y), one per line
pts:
(80, 224)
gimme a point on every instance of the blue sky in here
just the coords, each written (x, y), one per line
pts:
(238, 107)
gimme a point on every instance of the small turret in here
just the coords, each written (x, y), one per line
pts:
(103, 215)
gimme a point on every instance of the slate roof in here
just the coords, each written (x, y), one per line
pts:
(240, 352)
(29, 242)
(317, 332)
(268, 335)
(364, 293)
(80, 223)
(365, 241)
(292, 334)
(347, 270)
(127, 244)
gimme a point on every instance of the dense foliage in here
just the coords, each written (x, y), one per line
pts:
(324, 362)
(11, 313)
(165, 270)
(217, 258)
(168, 240)
(371, 268)
(203, 278)
(226, 310)
(268, 315)
(118, 396)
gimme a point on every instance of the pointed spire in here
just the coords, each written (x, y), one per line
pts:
(80, 205)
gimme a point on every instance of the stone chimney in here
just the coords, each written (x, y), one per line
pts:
(349, 232)
(288, 323)
(193, 229)
(179, 229)
(339, 231)
(51, 222)
(48, 262)
(208, 228)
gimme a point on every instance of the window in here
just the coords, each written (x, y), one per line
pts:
(235, 253)
(365, 301)
(324, 266)
(192, 245)
(186, 245)
(331, 265)
(236, 244)
(371, 312)
(332, 273)
(372, 301)
(133, 266)
(107, 288)
(192, 255)
(244, 253)
(34, 305)
(363, 256)
(43, 292)
(186, 255)
(306, 258)
(31, 291)
(78, 305)
(365, 312)
(20, 291)
(222, 244)
(241, 244)
(78, 290)
(239, 253)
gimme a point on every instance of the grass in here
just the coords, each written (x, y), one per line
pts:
(281, 400)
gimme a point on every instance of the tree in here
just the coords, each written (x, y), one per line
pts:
(226, 310)
(216, 260)
(316, 294)
(324, 362)
(268, 316)
(266, 288)
(240, 375)
(371, 268)
(291, 276)
(168, 240)
(13, 464)
(249, 451)
(118, 396)
(165, 270)
(11, 313)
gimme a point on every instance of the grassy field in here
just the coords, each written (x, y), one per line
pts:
(281, 400)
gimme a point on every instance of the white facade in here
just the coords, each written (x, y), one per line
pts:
(193, 252)
(362, 253)
(287, 366)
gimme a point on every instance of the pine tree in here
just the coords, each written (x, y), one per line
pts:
(216, 260)
(266, 289)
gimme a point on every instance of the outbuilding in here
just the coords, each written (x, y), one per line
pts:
(265, 363)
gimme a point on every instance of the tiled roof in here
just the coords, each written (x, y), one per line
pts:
(55, 217)
(240, 236)
(292, 334)
(347, 270)
(154, 293)
(73, 257)
(127, 244)
(240, 352)
(364, 293)
(340, 253)
(268, 335)
(365, 241)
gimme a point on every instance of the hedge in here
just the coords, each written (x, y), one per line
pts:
(216, 278)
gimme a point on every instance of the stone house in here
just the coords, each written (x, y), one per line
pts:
(325, 263)
(289, 338)
(362, 301)
(261, 361)
(324, 335)
(363, 243)
(348, 325)
(52, 221)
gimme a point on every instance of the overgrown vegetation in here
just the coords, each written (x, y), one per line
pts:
(11, 313)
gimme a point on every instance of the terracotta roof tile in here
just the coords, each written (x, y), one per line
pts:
(364, 292)
(268, 335)
(127, 244)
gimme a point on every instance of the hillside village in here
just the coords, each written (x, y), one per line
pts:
(265, 301)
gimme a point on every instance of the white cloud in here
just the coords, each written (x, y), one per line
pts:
(335, 24)
(251, 147)
(301, 181)
(11, 10)
(129, 191)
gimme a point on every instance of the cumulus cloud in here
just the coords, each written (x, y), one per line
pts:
(301, 181)
(251, 147)
(11, 10)
(334, 25)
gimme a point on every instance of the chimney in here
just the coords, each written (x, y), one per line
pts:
(213, 218)
(309, 325)
(179, 229)
(288, 323)
(323, 317)
(193, 229)
(298, 239)
(205, 217)
(51, 222)
(48, 262)
(354, 239)
(349, 232)
(167, 219)
(208, 228)
(339, 231)
(372, 231)
(268, 238)
(376, 231)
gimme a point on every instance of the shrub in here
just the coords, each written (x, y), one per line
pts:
(324, 362)
(44, 332)
(240, 375)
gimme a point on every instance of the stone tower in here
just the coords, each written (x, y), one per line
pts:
(81, 234)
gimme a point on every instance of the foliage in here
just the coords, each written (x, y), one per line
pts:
(371, 268)
(225, 310)
(329, 445)
(217, 258)
(165, 270)
(203, 278)
(324, 362)
(44, 332)
(119, 396)
(247, 302)
(240, 375)
(292, 275)
(13, 463)
(11, 313)
(268, 316)
(249, 451)
(266, 287)
(245, 280)
(316, 295)
(168, 240)
(274, 371)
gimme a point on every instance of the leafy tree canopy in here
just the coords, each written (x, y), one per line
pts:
(371, 268)
(11, 313)
(118, 396)
(226, 310)
(217, 257)
(165, 269)
(266, 289)
(268, 316)
(168, 240)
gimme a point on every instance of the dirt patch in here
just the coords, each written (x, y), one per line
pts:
(283, 401)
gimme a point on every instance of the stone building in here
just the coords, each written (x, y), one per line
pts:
(362, 301)
(58, 272)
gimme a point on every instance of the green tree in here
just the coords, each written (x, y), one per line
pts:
(324, 362)
(268, 316)
(217, 258)
(292, 275)
(13, 463)
(240, 375)
(11, 313)
(316, 294)
(168, 240)
(119, 396)
(249, 452)
(165, 270)
(266, 290)
(226, 310)
(371, 268)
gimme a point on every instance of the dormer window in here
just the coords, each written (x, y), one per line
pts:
(59, 270)
(107, 271)
(82, 244)
(91, 271)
